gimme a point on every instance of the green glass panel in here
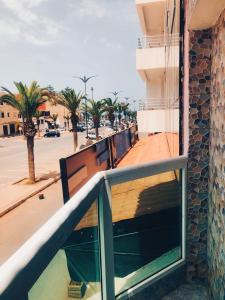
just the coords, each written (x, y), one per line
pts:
(146, 227)
(74, 272)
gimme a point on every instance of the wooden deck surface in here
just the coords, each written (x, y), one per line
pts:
(146, 195)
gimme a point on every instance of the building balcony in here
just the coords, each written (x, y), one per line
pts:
(122, 231)
(157, 41)
(154, 56)
(158, 104)
(203, 14)
(151, 15)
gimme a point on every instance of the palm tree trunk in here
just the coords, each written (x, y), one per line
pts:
(38, 128)
(75, 143)
(96, 133)
(30, 150)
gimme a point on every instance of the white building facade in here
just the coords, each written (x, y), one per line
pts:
(157, 62)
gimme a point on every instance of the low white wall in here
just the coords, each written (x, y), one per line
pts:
(150, 121)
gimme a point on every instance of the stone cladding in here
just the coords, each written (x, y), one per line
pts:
(216, 213)
(198, 162)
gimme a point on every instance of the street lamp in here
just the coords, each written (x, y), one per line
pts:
(126, 98)
(134, 101)
(92, 93)
(85, 80)
(116, 93)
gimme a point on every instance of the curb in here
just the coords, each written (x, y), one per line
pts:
(20, 201)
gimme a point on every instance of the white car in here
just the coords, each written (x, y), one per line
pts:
(92, 136)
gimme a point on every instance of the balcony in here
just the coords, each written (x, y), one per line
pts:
(151, 15)
(203, 14)
(158, 104)
(155, 54)
(157, 41)
(122, 231)
(158, 115)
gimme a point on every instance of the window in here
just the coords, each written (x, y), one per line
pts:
(1, 114)
(8, 114)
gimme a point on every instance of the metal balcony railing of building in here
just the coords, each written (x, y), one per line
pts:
(158, 41)
(157, 104)
(78, 168)
(124, 229)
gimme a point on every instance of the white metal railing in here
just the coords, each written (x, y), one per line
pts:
(154, 104)
(158, 41)
(23, 268)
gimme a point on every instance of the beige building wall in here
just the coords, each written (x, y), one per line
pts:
(57, 109)
(9, 120)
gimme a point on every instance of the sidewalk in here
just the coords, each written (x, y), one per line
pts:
(20, 223)
(15, 194)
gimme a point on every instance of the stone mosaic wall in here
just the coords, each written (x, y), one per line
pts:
(198, 172)
(216, 215)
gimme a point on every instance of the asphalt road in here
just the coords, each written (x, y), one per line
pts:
(48, 151)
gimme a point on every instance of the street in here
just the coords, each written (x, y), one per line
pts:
(15, 229)
(48, 151)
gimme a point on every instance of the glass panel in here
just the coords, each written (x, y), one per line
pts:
(146, 227)
(74, 272)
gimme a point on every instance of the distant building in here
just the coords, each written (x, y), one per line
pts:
(157, 62)
(9, 120)
(48, 110)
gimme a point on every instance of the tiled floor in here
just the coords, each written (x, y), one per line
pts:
(188, 292)
(151, 148)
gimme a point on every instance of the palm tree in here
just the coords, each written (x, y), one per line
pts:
(67, 121)
(124, 107)
(27, 102)
(110, 106)
(119, 110)
(70, 100)
(54, 117)
(38, 115)
(95, 109)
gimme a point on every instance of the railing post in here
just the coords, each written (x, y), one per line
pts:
(184, 211)
(64, 179)
(106, 242)
(130, 138)
(110, 139)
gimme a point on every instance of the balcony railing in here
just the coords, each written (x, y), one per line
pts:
(158, 41)
(157, 104)
(123, 229)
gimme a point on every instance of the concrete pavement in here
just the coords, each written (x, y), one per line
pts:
(13, 162)
(48, 151)
(20, 223)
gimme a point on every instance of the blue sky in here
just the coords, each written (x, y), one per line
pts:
(52, 40)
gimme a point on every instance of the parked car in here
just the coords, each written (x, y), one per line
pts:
(80, 128)
(52, 133)
(92, 136)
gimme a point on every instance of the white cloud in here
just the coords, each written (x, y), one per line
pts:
(90, 8)
(21, 22)
(109, 44)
